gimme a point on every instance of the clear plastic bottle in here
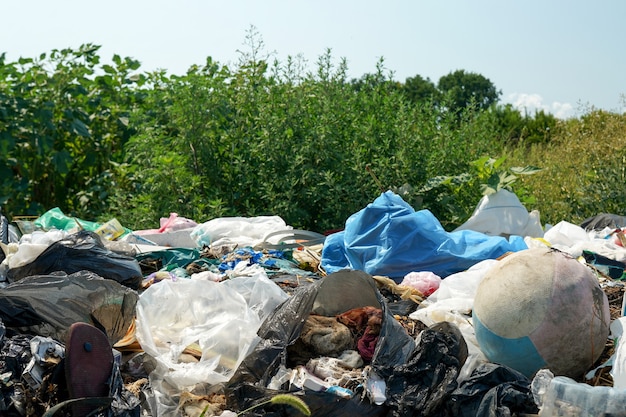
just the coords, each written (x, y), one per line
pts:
(375, 387)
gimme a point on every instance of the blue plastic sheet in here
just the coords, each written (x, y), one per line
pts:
(390, 238)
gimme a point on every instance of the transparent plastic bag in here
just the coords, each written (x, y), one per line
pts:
(199, 331)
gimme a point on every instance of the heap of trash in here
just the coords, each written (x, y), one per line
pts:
(391, 316)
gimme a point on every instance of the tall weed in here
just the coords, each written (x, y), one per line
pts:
(584, 168)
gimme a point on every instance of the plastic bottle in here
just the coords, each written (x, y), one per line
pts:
(375, 388)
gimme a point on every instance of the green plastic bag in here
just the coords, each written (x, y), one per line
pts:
(56, 219)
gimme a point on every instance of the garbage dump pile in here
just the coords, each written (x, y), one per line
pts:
(391, 316)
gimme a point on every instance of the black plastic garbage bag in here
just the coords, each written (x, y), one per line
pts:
(603, 220)
(82, 251)
(334, 294)
(422, 385)
(493, 391)
(320, 404)
(47, 305)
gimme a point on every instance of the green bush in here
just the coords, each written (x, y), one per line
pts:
(63, 124)
(584, 168)
(265, 137)
(271, 140)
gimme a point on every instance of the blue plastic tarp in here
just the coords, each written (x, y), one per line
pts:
(390, 238)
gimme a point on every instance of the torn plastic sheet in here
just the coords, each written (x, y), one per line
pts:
(390, 238)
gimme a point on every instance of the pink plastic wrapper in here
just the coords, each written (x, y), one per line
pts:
(175, 222)
(425, 282)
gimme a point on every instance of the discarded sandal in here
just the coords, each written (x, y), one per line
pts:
(88, 366)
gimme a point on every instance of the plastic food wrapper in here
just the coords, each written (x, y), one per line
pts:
(47, 305)
(329, 296)
(390, 238)
(199, 331)
(425, 282)
(82, 251)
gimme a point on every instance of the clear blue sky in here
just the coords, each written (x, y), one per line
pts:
(562, 56)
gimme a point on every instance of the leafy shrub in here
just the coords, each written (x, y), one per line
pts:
(265, 137)
(63, 124)
(584, 165)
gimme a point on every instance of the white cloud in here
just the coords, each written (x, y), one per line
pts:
(531, 103)
(562, 110)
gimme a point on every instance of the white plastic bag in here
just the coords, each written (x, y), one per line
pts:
(618, 370)
(243, 231)
(502, 213)
(564, 235)
(32, 245)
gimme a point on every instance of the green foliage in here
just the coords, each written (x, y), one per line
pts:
(463, 89)
(493, 176)
(455, 196)
(525, 129)
(584, 164)
(271, 140)
(268, 137)
(63, 124)
(417, 89)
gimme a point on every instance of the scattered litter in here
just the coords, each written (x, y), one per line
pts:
(385, 317)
